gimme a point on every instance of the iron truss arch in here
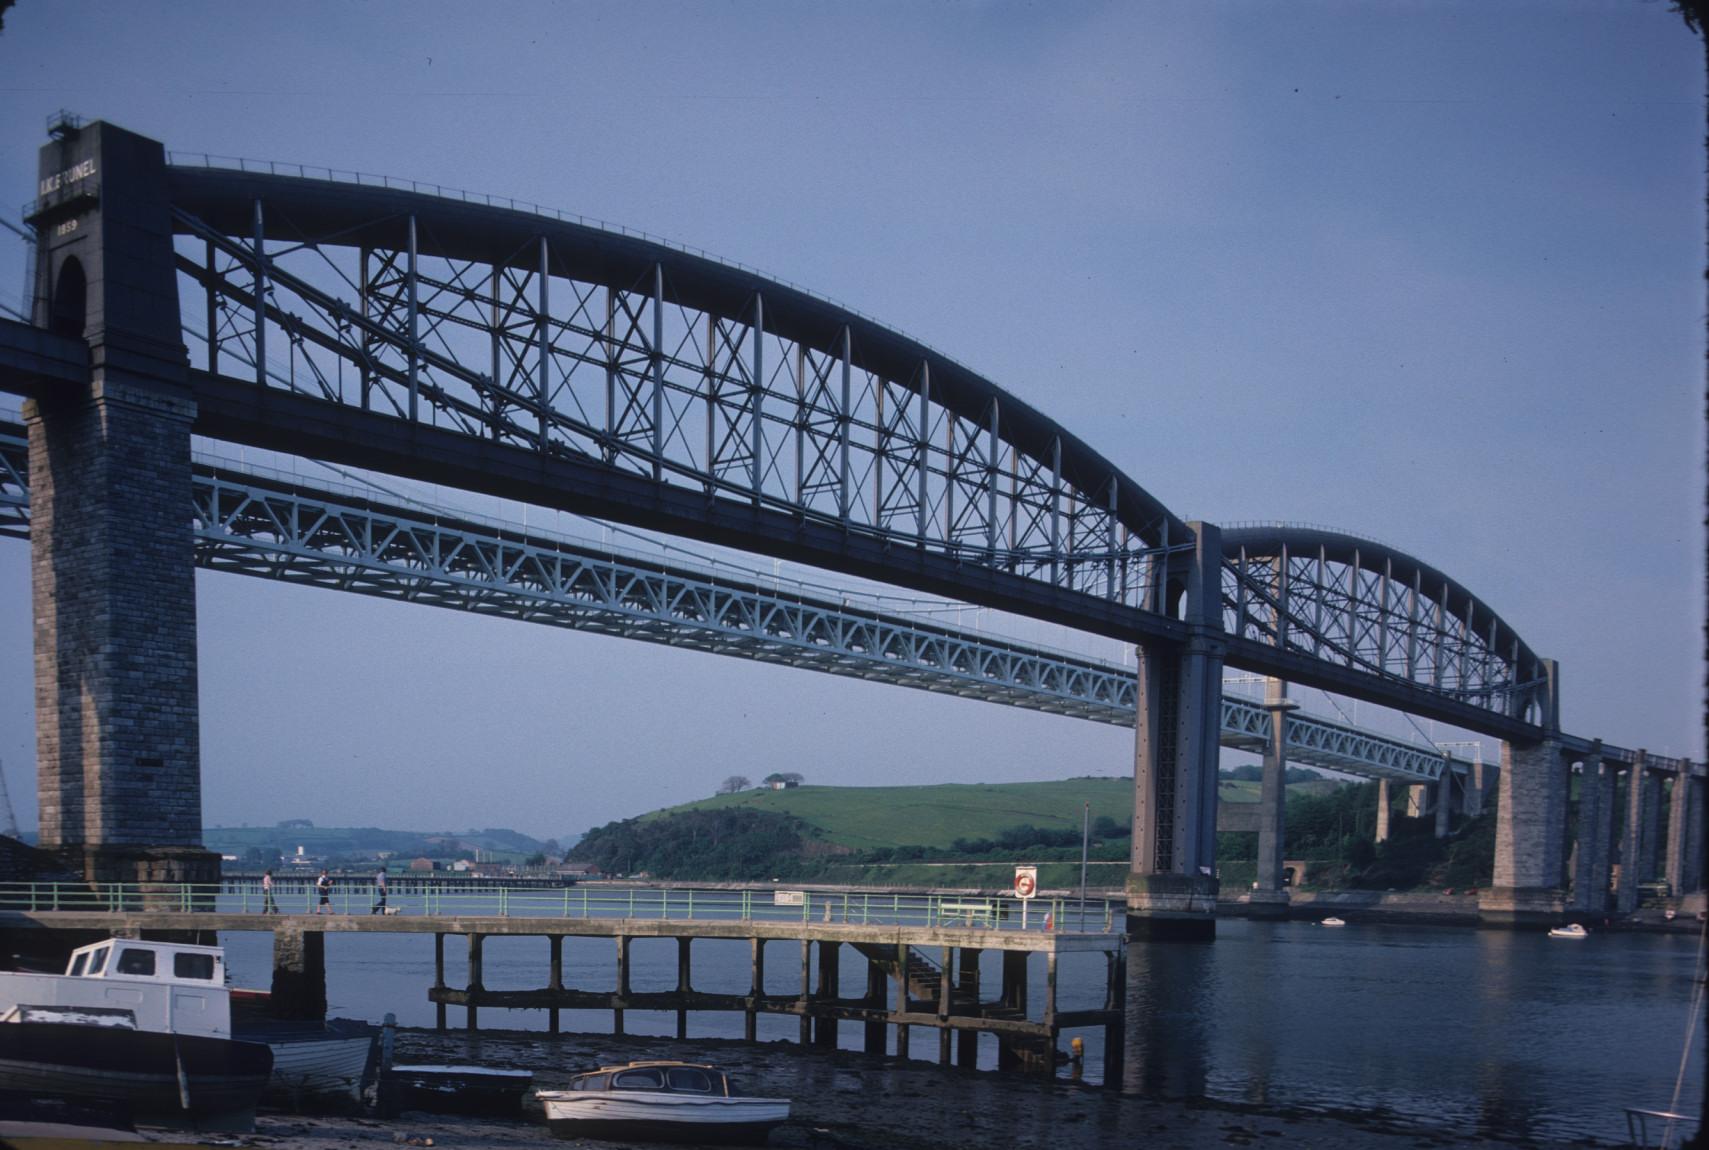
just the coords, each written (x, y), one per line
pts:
(248, 523)
(1345, 601)
(549, 335)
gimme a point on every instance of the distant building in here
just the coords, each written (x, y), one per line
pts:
(422, 864)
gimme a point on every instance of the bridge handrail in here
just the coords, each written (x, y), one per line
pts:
(295, 895)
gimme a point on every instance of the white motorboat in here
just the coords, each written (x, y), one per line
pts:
(1571, 930)
(660, 1101)
(1332, 921)
(143, 1024)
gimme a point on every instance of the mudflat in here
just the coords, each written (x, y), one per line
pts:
(848, 1099)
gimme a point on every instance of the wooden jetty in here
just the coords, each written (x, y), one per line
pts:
(918, 973)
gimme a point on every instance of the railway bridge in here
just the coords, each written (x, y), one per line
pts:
(504, 349)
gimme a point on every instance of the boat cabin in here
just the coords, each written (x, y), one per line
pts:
(167, 987)
(658, 1078)
(135, 960)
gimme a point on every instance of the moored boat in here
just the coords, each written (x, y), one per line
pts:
(1570, 930)
(1332, 921)
(663, 1102)
(144, 1024)
(454, 1090)
(314, 1062)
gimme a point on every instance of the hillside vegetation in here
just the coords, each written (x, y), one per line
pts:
(261, 846)
(864, 818)
(972, 835)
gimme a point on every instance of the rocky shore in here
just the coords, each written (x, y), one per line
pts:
(847, 1099)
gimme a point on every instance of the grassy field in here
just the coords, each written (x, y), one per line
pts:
(865, 817)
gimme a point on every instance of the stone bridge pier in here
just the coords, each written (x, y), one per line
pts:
(1531, 824)
(112, 566)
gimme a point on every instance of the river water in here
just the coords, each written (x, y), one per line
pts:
(1495, 1033)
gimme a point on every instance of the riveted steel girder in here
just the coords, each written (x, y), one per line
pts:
(250, 524)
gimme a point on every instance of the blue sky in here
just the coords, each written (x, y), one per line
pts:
(1429, 272)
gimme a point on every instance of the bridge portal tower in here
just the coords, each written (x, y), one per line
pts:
(1172, 886)
(112, 566)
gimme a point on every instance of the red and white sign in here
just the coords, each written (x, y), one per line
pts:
(1026, 881)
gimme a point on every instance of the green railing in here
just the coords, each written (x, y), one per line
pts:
(587, 901)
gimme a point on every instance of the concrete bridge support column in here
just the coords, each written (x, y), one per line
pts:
(1531, 823)
(1477, 783)
(1172, 886)
(1595, 800)
(1685, 835)
(477, 983)
(1444, 799)
(1530, 834)
(1650, 852)
(1270, 896)
(111, 560)
(1631, 842)
(299, 973)
(1385, 809)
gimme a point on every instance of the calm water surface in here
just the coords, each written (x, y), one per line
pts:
(1491, 1032)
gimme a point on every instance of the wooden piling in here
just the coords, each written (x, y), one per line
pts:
(806, 1000)
(555, 978)
(826, 993)
(439, 978)
(623, 941)
(875, 988)
(756, 991)
(946, 992)
(684, 982)
(1115, 1030)
(967, 985)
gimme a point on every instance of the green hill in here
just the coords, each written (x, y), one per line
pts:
(862, 818)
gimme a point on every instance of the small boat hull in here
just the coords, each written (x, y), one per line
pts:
(154, 1074)
(315, 1062)
(454, 1090)
(648, 1117)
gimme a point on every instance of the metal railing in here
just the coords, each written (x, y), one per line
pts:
(582, 901)
(1673, 1127)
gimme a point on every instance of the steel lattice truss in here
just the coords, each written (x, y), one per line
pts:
(269, 528)
(1358, 604)
(547, 335)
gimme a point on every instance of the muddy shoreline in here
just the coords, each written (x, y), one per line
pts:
(858, 1101)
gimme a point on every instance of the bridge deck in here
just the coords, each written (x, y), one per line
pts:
(133, 922)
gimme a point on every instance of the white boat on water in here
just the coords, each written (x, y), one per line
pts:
(660, 1101)
(1332, 921)
(1571, 930)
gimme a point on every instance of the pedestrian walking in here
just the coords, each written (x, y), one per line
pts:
(268, 906)
(323, 887)
(379, 892)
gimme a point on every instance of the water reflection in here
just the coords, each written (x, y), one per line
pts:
(1169, 1004)
(1507, 1034)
